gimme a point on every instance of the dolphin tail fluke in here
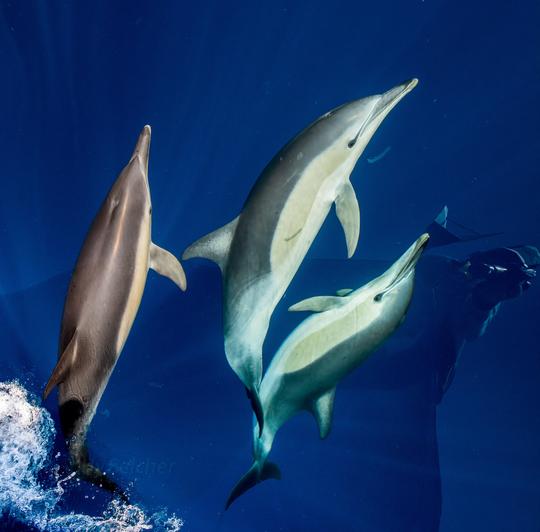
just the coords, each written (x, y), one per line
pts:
(253, 477)
(97, 477)
(214, 246)
(255, 400)
(80, 462)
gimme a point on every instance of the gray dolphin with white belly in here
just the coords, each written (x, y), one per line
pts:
(322, 350)
(260, 251)
(103, 297)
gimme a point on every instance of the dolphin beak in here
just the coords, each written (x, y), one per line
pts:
(142, 148)
(391, 98)
(406, 263)
(417, 250)
(412, 256)
(384, 104)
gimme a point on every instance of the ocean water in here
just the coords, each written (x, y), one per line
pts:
(224, 87)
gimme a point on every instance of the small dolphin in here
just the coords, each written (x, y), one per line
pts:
(102, 300)
(260, 251)
(322, 350)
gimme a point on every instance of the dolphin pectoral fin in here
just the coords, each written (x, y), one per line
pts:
(317, 304)
(252, 478)
(322, 410)
(348, 213)
(344, 292)
(63, 366)
(166, 264)
(214, 246)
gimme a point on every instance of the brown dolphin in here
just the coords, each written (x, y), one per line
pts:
(102, 300)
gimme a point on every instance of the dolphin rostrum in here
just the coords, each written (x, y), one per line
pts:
(260, 251)
(323, 349)
(103, 297)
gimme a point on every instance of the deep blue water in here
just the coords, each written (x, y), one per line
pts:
(224, 86)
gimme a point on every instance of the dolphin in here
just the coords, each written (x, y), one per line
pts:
(102, 300)
(323, 349)
(260, 251)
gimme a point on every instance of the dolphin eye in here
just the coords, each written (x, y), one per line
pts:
(351, 143)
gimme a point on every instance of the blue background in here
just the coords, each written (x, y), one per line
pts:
(224, 85)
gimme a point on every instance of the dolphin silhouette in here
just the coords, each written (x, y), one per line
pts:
(103, 297)
(322, 350)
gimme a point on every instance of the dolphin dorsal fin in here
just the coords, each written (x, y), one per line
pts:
(317, 304)
(348, 213)
(322, 410)
(442, 217)
(64, 364)
(214, 246)
(166, 264)
(344, 292)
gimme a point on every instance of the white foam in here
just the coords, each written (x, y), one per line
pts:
(118, 516)
(26, 440)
